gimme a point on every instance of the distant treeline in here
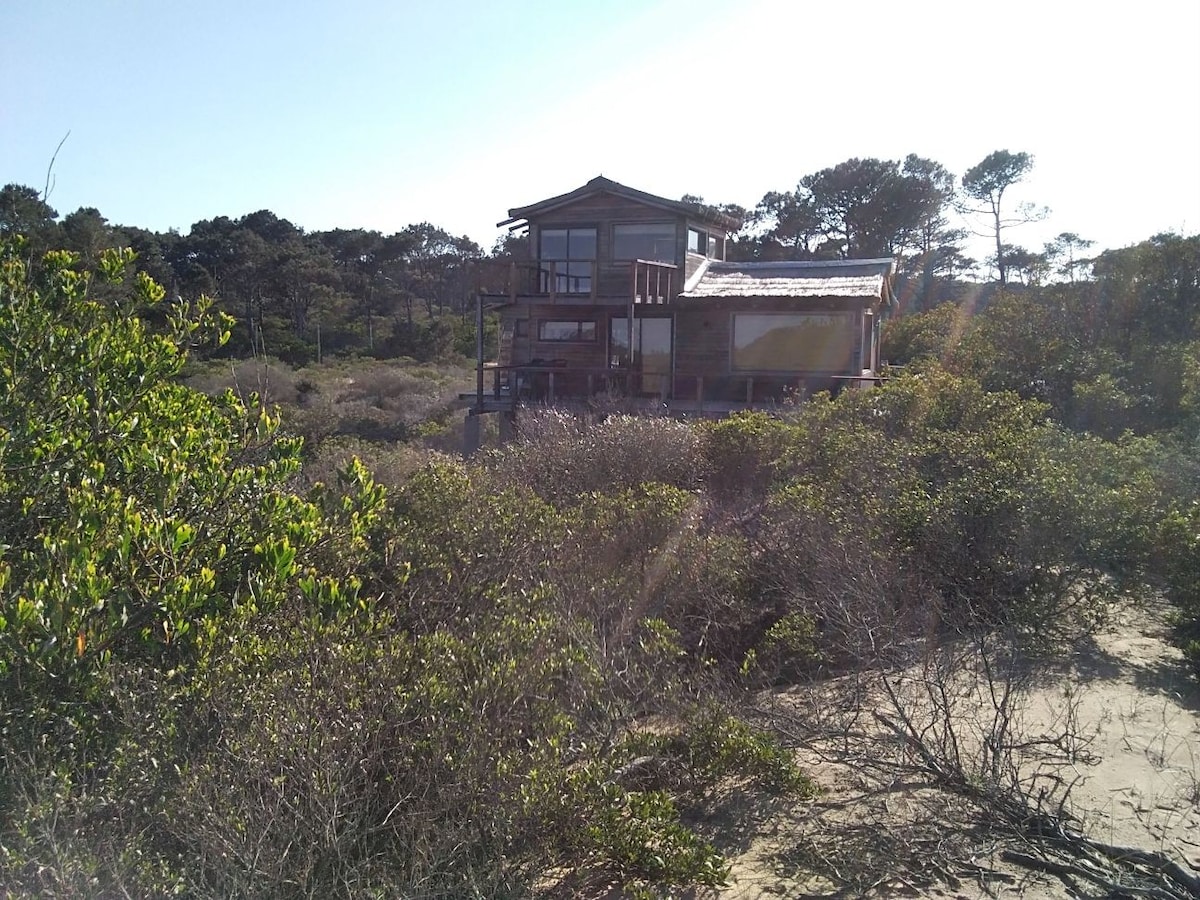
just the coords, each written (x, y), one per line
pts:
(299, 295)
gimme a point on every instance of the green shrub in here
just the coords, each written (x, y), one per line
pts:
(1180, 554)
(742, 453)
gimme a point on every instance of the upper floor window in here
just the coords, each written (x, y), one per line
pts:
(567, 257)
(654, 241)
(705, 244)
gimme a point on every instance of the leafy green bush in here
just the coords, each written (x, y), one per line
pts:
(742, 453)
(1180, 550)
(212, 686)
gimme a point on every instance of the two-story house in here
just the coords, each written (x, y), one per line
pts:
(628, 294)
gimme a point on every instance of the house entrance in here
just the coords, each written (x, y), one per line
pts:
(651, 359)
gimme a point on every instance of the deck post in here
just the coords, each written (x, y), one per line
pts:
(471, 433)
(508, 425)
(629, 331)
(479, 351)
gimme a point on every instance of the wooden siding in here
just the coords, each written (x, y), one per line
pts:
(602, 211)
(526, 347)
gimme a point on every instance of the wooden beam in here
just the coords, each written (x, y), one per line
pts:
(479, 351)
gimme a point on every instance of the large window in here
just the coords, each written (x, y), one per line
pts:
(654, 241)
(567, 330)
(794, 342)
(566, 259)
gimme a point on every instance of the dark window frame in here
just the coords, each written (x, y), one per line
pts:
(579, 329)
(573, 274)
(674, 242)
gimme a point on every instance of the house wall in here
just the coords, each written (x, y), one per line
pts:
(704, 336)
(603, 211)
(522, 323)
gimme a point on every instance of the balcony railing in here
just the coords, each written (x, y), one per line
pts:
(637, 281)
(653, 282)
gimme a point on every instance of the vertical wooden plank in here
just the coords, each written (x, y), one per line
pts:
(479, 351)
(629, 329)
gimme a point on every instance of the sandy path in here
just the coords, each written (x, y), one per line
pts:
(879, 832)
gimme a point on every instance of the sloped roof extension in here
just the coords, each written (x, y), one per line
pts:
(601, 184)
(849, 278)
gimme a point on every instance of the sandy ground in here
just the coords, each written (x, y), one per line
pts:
(878, 829)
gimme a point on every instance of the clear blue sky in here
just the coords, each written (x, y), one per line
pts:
(365, 113)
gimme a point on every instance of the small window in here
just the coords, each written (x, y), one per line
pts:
(567, 330)
(697, 242)
(653, 241)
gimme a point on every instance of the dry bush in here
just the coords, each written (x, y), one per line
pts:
(391, 464)
(275, 382)
(560, 456)
(371, 399)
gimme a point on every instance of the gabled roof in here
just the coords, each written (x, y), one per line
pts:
(849, 278)
(600, 184)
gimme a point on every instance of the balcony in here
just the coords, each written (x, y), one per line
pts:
(588, 282)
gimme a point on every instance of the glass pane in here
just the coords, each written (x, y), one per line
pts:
(695, 244)
(618, 337)
(794, 342)
(567, 330)
(579, 277)
(558, 331)
(655, 346)
(554, 244)
(582, 243)
(655, 241)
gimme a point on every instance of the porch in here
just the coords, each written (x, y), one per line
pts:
(506, 388)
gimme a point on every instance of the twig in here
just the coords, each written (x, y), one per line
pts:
(50, 168)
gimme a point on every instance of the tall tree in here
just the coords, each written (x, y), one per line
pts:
(986, 183)
(1065, 251)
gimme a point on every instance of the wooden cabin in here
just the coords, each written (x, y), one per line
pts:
(628, 295)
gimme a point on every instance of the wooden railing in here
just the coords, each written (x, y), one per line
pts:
(550, 382)
(653, 282)
(644, 281)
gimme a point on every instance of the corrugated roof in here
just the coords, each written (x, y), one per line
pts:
(837, 278)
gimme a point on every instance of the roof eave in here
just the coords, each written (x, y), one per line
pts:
(600, 184)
